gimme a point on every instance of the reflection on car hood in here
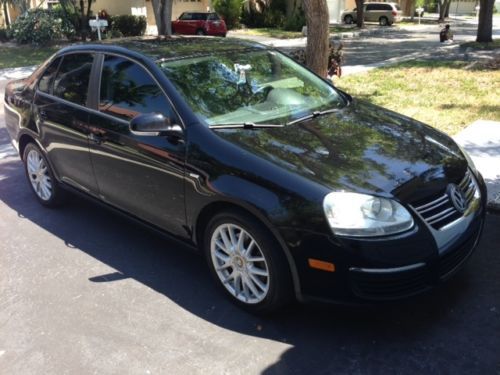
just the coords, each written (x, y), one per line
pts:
(361, 148)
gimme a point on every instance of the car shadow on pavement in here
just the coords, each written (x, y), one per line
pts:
(449, 329)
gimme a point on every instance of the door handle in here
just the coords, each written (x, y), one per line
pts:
(98, 139)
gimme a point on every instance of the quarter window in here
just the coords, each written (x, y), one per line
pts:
(72, 80)
(127, 90)
(45, 83)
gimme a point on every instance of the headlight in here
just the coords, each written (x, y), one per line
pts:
(360, 215)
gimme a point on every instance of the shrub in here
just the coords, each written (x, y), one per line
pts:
(296, 21)
(4, 35)
(229, 10)
(68, 21)
(37, 26)
(128, 25)
(272, 15)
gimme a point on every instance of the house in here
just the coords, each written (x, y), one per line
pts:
(134, 7)
(336, 7)
(145, 8)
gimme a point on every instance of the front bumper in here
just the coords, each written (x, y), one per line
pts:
(400, 282)
(392, 268)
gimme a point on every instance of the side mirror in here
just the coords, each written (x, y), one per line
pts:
(156, 124)
(149, 123)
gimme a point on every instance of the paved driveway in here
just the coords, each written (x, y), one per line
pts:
(84, 291)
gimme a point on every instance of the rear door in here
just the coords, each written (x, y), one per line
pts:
(140, 174)
(62, 118)
(371, 13)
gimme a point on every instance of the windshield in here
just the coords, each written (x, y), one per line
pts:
(249, 86)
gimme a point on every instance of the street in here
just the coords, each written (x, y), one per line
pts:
(85, 291)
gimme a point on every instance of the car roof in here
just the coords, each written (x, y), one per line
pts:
(168, 48)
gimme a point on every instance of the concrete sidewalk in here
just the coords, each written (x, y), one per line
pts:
(481, 140)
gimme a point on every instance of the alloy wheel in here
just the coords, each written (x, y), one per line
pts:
(240, 263)
(39, 175)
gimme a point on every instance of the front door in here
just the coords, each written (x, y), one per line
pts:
(140, 174)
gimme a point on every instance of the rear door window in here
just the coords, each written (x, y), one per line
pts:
(72, 79)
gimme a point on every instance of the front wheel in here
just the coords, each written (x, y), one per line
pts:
(348, 20)
(41, 177)
(200, 32)
(247, 262)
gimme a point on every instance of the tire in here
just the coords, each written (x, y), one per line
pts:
(200, 32)
(258, 279)
(383, 21)
(348, 20)
(41, 177)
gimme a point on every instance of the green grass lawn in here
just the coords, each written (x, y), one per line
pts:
(488, 46)
(271, 32)
(12, 57)
(440, 93)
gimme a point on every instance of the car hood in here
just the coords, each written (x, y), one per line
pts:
(362, 148)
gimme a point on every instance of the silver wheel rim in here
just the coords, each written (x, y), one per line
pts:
(239, 263)
(39, 175)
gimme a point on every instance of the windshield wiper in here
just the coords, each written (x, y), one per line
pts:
(313, 115)
(245, 125)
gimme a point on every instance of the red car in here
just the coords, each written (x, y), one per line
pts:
(199, 23)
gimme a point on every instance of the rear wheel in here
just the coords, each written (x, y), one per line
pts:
(200, 32)
(41, 177)
(383, 21)
(348, 20)
(247, 263)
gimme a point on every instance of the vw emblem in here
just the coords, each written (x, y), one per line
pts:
(457, 198)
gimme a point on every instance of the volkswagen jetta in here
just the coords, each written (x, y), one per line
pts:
(288, 186)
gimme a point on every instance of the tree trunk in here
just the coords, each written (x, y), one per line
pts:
(447, 10)
(167, 16)
(444, 6)
(317, 36)
(158, 11)
(360, 22)
(6, 15)
(485, 25)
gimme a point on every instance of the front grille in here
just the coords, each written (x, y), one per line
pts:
(438, 210)
(387, 286)
(451, 261)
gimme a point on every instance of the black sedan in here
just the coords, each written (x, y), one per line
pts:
(288, 186)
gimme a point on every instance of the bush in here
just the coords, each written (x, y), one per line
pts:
(68, 21)
(128, 25)
(296, 21)
(4, 35)
(37, 26)
(229, 10)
